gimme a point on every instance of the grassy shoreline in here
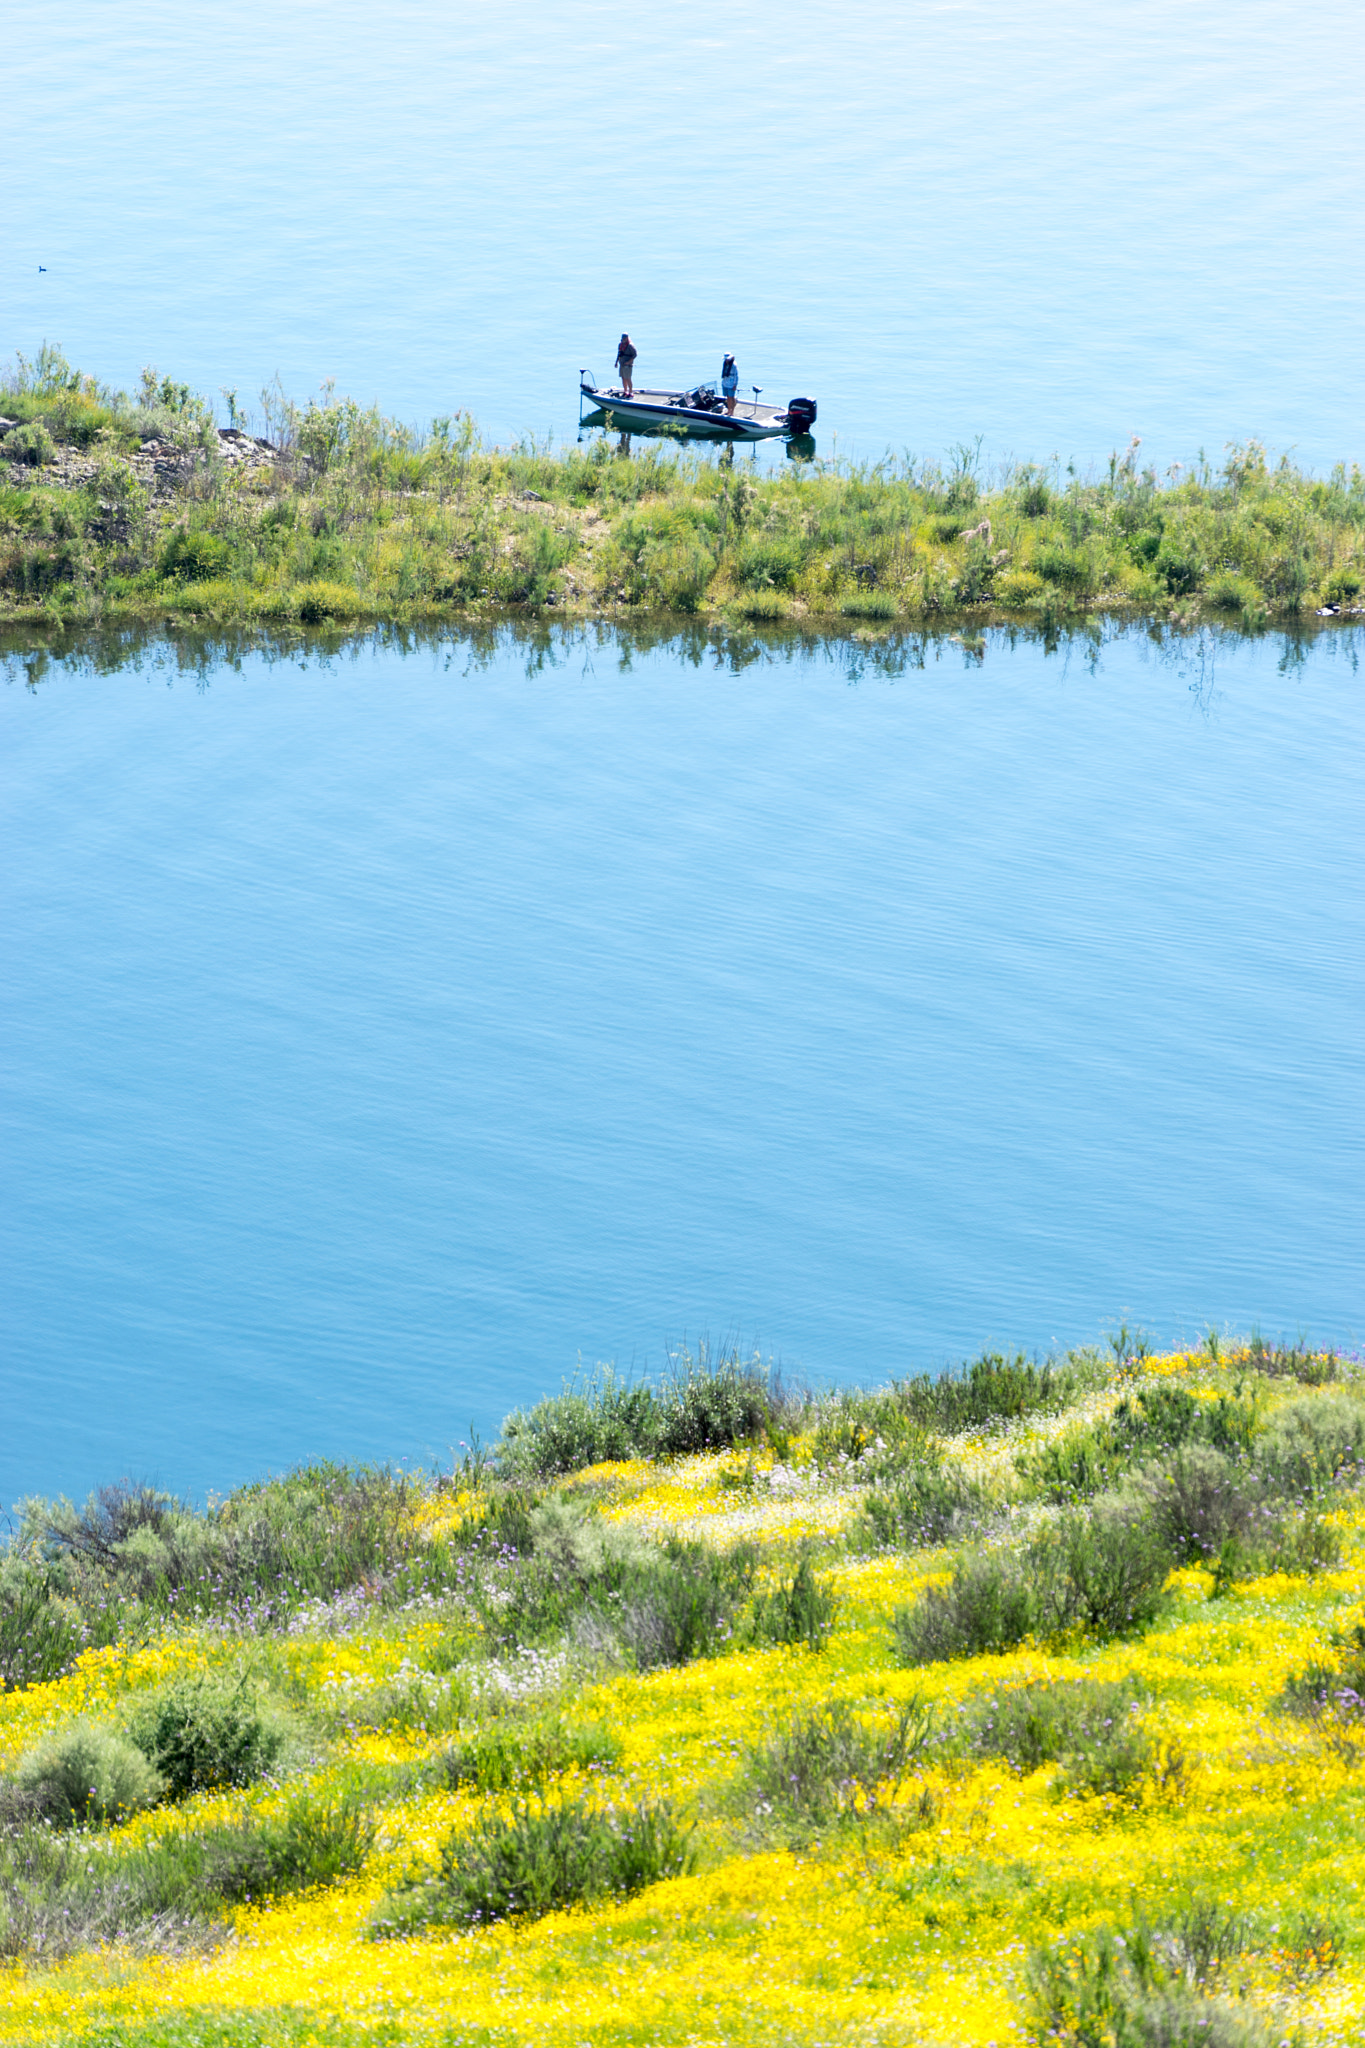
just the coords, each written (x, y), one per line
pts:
(1022, 1705)
(119, 508)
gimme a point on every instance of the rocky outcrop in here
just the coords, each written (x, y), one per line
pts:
(163, 469)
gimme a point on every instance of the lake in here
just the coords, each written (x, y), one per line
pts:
(1049, 226)
(389, 1027)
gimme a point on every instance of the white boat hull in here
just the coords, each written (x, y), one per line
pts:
(666, 411)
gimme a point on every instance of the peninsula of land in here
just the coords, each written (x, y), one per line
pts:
(141, 507)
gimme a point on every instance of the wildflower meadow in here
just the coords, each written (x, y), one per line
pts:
(1022, 1706)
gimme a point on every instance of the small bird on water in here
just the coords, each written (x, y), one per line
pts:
(42, 267)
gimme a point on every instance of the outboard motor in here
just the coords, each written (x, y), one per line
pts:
(801, 415)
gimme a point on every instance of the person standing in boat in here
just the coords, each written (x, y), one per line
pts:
(625, 363)
(729, 382)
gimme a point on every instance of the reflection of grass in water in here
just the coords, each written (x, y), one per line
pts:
(356, 517)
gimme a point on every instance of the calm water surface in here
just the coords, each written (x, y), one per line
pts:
(1052, 225)
(382, 1032)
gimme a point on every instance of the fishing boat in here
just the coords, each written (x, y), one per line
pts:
(699, 413)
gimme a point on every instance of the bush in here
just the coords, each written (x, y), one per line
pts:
(517, 1760)
(800, 1609)
(827, 1763)
(1292, 1361)
(710, 1405)
(993, 1389)
(1100, 1573)
(535, 1859)
(195, 556)
(1088, 1460)
(314, 1842)
(657, 1604)
(1136, 1990)
(1202, 1500)
(1215, 1510)
(990, 1606)
(705, 1403)
(1330, 1688)
(39, 1636)
(1314, 1444)
(767, 560)
(1085, 1725)
(1180, 562)
(681, 1606)
(928, 1504)
(30, 444)
(88, 1776)
(1070, 569)
(203, 1737)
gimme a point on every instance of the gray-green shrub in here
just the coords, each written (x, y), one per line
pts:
(828, 1761)
(86, 1775)
(1087, 1726)
(537, 1857)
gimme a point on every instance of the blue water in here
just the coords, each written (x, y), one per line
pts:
(383, 1032)
(1052, 226)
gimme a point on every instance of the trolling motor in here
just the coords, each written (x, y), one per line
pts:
(801, 415)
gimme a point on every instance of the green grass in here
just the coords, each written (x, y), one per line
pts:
(363, 518)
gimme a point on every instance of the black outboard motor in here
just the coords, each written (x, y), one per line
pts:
(800, 415)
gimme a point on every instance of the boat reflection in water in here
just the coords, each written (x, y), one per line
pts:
(799, 448)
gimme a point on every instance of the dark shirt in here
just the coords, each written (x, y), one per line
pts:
(627, 352)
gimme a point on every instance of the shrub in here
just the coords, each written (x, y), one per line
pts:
(869, 605)
(1085, 1725)
(194, 556)
(680, 1607)
(1292, 1361)
(536, 1858)
(704, 1403)
(993, 1389)
(1180, 562)
(202, 1736)
(1035, 499)
(1018, 587)
(1314, 1444)
(40, 1637)
(989, 1606)
(88, 1776)
(928, 1504)
(1100, 1573)
(517, 1760)
(30, 444)
(1088, 1460)
(1070, 569)
(314, 1842)
(1330, 1688)
(319, 601)
(1102, 1990)
(827, 1762)
(608, 1419)
(709, 1405)
(800, 1609)
(773, 560)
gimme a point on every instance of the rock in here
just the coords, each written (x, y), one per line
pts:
(5, 425)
